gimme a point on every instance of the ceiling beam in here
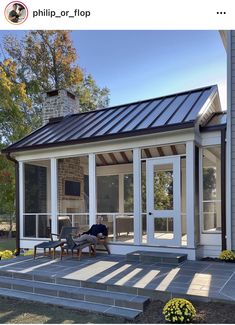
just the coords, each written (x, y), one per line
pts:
(173, 149)
(124, 157)
(113, 158)
(148, 153)
(160, 151)
(102, 159)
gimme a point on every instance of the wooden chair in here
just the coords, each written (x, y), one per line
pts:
(53, 244)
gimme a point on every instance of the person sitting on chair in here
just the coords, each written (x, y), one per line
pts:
(96, 231)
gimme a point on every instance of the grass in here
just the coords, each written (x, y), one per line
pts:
(9, 244)
(14, 311)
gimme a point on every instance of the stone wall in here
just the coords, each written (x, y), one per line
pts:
(58, 103)
(71, 169)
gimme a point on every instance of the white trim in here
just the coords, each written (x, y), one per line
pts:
(121, 192)
(228, 146)
(21, 197)
(54, 189)
(190, 193)
(137, 196)
(171, 137)
(210, 138)
(92, 189)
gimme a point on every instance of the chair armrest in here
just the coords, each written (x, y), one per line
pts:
(51, 235)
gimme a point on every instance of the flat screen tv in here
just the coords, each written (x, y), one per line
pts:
(72, 188)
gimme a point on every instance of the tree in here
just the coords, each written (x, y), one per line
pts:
(91, 96)
(40, 61)
(47, 60)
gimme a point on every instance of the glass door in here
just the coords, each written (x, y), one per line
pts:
(163, 201)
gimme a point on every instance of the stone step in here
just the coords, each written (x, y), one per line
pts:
(156, 257)
(75, 292)
(126, 313)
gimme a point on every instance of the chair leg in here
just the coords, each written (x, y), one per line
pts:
(107, 248)
(79, 254)
(94, 250)
(89, 250)
(53, 256)
(34, 253)
(61, 252)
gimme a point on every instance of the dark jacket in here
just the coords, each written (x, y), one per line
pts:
(96, 229)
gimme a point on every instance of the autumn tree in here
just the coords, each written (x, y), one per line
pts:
(48, 60)
(40, 61)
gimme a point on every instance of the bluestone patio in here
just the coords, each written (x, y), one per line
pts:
(193, 279)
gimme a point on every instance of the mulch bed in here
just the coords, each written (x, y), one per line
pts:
(207, 313)
(215, 259)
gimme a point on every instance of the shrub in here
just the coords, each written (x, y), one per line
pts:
(227, 255)
(6, 254)
(179, 310)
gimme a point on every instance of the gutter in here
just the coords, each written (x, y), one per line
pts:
(8, 156)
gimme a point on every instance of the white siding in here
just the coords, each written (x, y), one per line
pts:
(233, 134)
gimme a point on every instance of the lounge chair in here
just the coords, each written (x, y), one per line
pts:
(70, 244)
(53, 244)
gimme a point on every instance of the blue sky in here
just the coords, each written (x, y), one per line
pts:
(136, 65)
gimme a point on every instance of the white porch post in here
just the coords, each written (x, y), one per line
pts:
(137, 196)
(190, 193)
(54, 221)
(92, 189)
(21, 197)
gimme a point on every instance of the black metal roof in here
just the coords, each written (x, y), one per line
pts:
(161, 114)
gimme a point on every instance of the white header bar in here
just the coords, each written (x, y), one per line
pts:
(118, 14)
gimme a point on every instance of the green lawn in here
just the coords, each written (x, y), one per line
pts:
(9, 244)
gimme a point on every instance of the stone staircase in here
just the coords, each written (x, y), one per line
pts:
(81, 295)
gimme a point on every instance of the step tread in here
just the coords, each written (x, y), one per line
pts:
(156, 257)
(72, 304)
(77, 290)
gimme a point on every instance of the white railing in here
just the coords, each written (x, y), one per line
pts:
(120, 226)
(77, 219)
(36, 230)
(43, 230)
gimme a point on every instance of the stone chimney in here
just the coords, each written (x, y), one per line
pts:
(58, 103)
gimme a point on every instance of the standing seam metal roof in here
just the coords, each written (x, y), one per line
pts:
(149, 116)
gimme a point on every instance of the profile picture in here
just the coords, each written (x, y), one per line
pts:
(16, 12)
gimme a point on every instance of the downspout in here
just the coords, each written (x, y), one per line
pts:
(223, 189)
(8, 156)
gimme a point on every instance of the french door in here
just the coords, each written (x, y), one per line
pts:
(163, 201)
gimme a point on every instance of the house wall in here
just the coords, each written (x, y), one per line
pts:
(232, 103)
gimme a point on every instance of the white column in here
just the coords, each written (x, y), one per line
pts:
(190, 193)
(121, 192)
(21, 198)
(137, 196)
(92, 189)
(54, 220)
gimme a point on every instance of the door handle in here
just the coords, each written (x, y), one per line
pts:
(150, 213)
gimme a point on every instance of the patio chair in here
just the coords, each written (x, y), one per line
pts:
(103, 241)
(53, 244)
(72, 245)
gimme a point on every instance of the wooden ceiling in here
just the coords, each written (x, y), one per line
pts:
(125, 157)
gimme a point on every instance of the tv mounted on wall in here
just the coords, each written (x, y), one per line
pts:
(72, 188)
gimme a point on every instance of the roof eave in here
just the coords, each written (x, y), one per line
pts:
(161, 129)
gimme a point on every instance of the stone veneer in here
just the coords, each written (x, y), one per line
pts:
(59, 103)
(70, 169)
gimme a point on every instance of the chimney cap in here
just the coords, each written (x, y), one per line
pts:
(55, 92)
